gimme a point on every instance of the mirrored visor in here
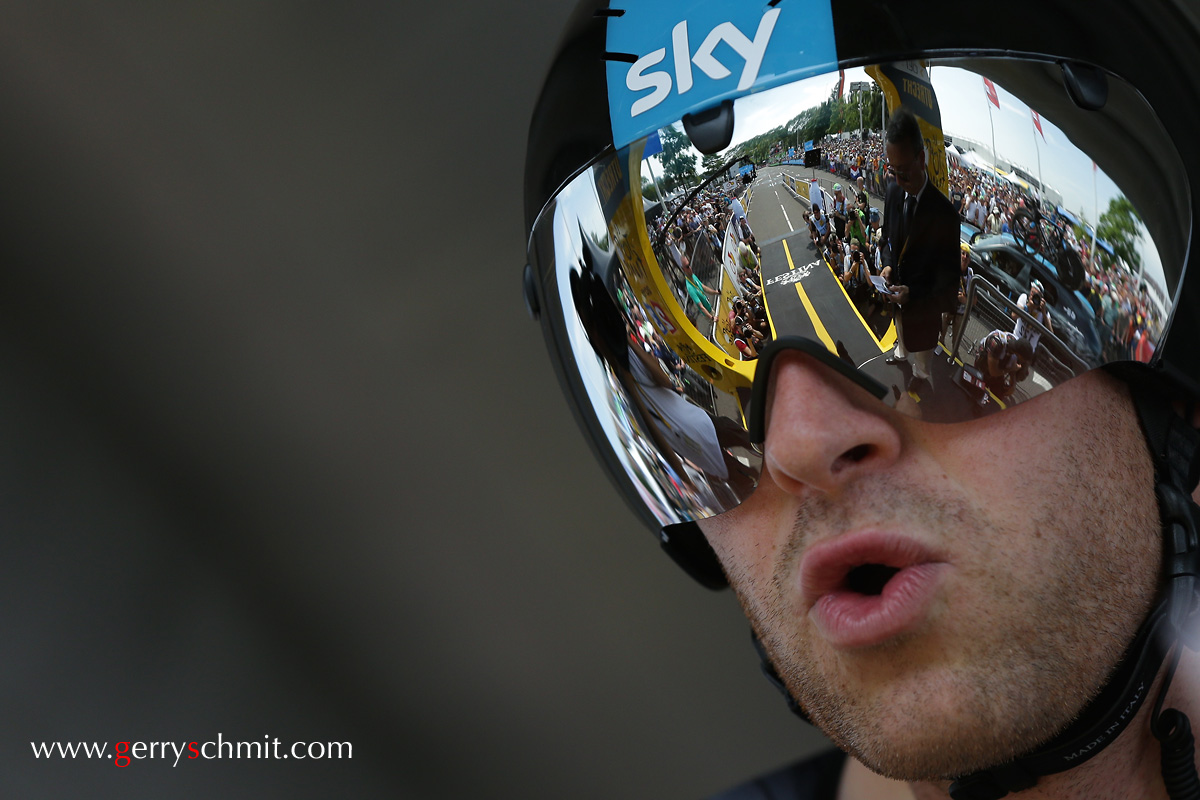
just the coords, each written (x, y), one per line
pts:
(956, 236)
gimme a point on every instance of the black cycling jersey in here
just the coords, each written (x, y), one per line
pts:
(815, 778)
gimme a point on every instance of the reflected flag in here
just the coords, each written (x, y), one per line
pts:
(1037, 123)
(653, 145)
(841, 86)
(990, 88)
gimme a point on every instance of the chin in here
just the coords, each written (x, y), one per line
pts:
(923, 750)
(936, 727)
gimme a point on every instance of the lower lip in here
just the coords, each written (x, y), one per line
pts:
(848, 619)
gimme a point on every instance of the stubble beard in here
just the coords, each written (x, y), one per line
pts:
(1011, 659)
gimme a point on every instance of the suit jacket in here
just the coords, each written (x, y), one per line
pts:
(927, 262)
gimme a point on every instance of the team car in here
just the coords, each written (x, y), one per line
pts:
(1006, 265)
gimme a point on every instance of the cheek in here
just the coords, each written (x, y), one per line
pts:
(736, 537)
(1069, 482)
(749, 539)
(994, 464)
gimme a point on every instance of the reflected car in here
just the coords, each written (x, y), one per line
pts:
(967, 231)
(1011, 268)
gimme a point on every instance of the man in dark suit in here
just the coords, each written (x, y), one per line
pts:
(921, 228)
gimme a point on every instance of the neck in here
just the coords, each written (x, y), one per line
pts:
(1129, 767)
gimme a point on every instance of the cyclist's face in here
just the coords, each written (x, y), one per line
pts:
(1017, 592)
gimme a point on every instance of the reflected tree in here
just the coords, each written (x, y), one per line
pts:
(1120, 227)
(678, 158)
(711, 163)
(649, 190)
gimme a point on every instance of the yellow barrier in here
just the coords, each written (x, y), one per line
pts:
(797, 187)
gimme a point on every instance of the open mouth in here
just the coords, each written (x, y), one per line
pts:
(861, 589)
(860, 563)
(869, 579)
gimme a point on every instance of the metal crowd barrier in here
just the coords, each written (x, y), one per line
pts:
(705, 265)
(699, 391)
(987, 310)
(705, 262)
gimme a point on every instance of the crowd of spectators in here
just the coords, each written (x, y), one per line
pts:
(700, 223)
(1128, 322)
(848, 235)
(748, 317)
(691, 257)
(845, 229)
(643, 337)
(981, 198)
(852, 158)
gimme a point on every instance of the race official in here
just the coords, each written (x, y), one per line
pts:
(922, 230)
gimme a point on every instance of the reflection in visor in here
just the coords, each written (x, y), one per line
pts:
(967, 253)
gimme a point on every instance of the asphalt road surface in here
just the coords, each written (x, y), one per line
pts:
(805, 298)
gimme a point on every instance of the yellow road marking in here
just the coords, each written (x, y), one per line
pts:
(889, 337)
(770, 321)
(822, 334)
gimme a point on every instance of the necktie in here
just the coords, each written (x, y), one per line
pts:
(910, 205)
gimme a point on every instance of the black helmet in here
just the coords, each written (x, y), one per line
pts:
(1089, 153)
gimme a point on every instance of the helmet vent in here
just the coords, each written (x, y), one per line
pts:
(1086, 85)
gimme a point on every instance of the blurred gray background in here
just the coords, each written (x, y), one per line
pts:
(282, 453)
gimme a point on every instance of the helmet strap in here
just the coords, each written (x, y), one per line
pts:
(772, 676)
(1175, 447)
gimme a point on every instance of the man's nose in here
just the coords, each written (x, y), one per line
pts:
(823, 431)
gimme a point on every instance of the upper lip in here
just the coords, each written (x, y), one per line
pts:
(826, 564)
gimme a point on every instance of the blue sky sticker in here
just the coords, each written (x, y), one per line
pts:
(692, 55)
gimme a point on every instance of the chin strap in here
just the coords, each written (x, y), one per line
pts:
(1099, 724)
(1177, 464)
(768, 671)
(1174, 624)
(1178, 746)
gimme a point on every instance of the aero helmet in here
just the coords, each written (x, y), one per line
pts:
(654, 114)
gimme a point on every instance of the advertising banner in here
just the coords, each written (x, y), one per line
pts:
(675, 58)
(906, 83)
(798, 188)
(626, 222)
(730, 290)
